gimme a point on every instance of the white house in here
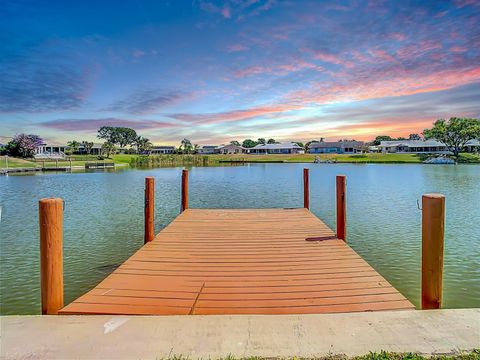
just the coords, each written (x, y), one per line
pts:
(414, 146)
(208, 150)
(161, 149)
(285, 148)
(231, 149)
(336, 147)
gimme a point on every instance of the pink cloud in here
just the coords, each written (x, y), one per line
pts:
(236, 115)
(226, 12)
(138, 53)
(237, 48)
(331, 58)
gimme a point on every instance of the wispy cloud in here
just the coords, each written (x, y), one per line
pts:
(83, 125)
(147, 101)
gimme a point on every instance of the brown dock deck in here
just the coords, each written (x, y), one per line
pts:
(259, 261)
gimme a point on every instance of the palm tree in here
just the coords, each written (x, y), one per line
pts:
(142, 144)
(73, 145)
(87, 146)
(186, 145)
(108, 148)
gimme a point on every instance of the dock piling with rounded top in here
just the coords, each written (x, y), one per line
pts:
(433, 231)
(51, 255)
(184, 190)
(341, 208)
(149, 209)
(306, 189)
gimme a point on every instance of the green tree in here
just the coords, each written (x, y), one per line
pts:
(272, 141)
(108, 148)
(235, 142)
(142, 144)
(121, 136)
(249, 143)
(261, 141)
(186, 146)
(74, 146)
(381, 138)
(454, 132)
(87, 146)
(414, 137)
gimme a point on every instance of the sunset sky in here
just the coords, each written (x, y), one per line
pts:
(215, 71)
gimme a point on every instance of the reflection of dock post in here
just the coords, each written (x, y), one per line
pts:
(149, 209)
(184, 190)
(51, 255)
(433, 231)
(341, 208)
(306, 189)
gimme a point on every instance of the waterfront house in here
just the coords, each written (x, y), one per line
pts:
(472, 146)
(51, 149)
(208, 150)
(336, 147)
(283, 148)
(414, 147)
(231, 149)
(95, 150)
(161, 150)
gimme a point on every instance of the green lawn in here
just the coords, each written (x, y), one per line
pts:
(15, 163)
(341, 158)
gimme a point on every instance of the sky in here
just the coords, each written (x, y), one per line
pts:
(216, 71)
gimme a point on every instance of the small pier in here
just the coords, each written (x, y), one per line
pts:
(99, 165)
(242, 261)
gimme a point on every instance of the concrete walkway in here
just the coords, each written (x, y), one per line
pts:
(215, 336)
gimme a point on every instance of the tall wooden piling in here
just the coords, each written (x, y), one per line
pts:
(306, 189)
(341, 208)
(51, 255)
(433, 231)
(184, 205)
(149, 209)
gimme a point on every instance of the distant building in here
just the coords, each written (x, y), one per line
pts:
(51, 148)
(472, 146)
(336, 147)
(231, 149)
(95, 150)
(286, 148)
(159, 149)
(414, 146)
(208, 150)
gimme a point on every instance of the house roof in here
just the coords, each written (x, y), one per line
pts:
(277, 146)
(163, 147)
(335, 144)
(231, 146)
(412, 143)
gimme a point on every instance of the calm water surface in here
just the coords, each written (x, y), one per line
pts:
(103, 219)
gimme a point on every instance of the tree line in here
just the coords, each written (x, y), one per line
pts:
(454, 133)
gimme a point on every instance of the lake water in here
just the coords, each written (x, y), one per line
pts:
(103, 219)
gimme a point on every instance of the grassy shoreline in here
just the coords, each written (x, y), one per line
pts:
(222, 160)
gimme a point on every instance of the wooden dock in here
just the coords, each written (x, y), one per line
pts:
(257, 261)
(241, 261)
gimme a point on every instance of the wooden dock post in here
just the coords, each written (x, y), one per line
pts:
(306, 189)
(149, 209)
(51, 255)
(184, 190)
(433, 230)
(341, 208)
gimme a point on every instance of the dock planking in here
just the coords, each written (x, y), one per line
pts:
(242, 261)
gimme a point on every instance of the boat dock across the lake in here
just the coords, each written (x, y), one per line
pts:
(241, 261)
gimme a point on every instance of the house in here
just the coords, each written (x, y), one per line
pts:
(472, 146)
(414, 147)
(95, 150)
(208, 150)
(160, 149)
(336, 147)
(231, 149)
(285, 148)
(51, 148)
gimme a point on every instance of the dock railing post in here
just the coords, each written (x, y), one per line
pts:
(306, 189)
(149, 209)
(341, 208)
(184, 205)
(433, 231)
(51, 255)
